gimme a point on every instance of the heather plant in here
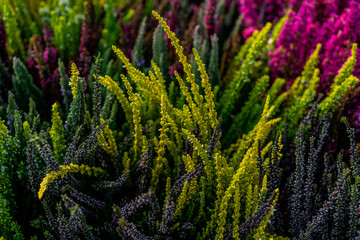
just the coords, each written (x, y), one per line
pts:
(184, 172)
(216, 136)
(334, 26)
(319, 189)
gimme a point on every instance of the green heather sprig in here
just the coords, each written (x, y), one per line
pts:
(57, 134)
(342, 82)
(241, 76)
(25, 88)
(9, 228)
(15, 44)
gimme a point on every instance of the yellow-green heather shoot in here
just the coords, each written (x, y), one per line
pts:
(277, 30)
(209, 96)
(66, 169)
(237, 215)
(74, 79)
(189, 163)
(347, 69)
(249, 203)
(135, 106)
(162, 143)
(247, 168)
(182, 199)
(167, 191)
(298, 87)
(57, 133)
(190, 77)
(119, 94)
(343, 81)
(107, 140)
(336, 93)
(136, 75)
(27, 129)
(299, 108)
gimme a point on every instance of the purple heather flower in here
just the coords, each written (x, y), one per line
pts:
(256, 12)
(35, 60)
(295, 4)
(275, 9)
(341, 33)
(127, 37)
(325, 22)
(209, 18)
(84, 60)
(42, 59)
(172, 15)
(50, 54)
(292, 48)
(50, 57)
(140, 63)
(250, 9)
(177, 67)
(332, 23)
(248, 32)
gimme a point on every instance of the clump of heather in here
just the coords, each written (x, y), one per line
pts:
(333, 25)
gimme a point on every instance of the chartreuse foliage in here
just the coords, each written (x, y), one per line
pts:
(65, 21)
(242, 75)
(276, 31)
(303, 91)
(343, 81)
(107, 140)
(111, 28)
(298, 87)
(246, 177)
(64, 170)
(15, 44)
(57, 134)
(24, 87)
(74, 79)
(178, 126)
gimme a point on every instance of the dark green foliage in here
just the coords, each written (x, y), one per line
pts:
(10, 111)
(137, 53)
(32, 112)
(20, 140)
(214, 67)
(96, 92)
(5, 81)
(25, 88)
(64, 85)
(159, 51)
(76, 114)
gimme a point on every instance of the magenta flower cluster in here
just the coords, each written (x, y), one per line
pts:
(331, 23)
